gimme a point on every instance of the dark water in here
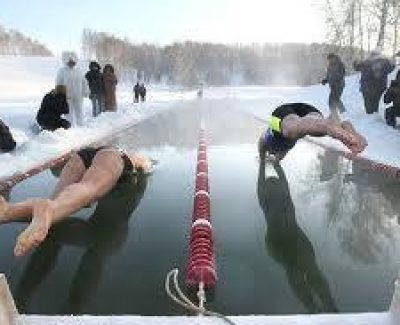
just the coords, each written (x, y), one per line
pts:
(316, 234)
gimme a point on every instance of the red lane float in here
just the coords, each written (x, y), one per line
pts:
(201, 264)
(7, 183)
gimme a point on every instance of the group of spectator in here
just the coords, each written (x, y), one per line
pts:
(102, 88)
(373, 84)
(71, 87)
(99, 86)
(62, 106)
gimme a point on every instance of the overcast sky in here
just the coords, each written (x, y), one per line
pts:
(58, 24)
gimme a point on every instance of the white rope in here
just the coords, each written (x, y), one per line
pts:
(201, 295)
(185, 302)
(201, 192)
(201, 222)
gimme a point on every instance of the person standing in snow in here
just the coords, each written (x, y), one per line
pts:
(54, 104)
(110, 85)
(7, 142)
(94, 78)
(136, 91)
(76, 87)
(335, 79)
(374, 72)
(142, 92)
(392, 95)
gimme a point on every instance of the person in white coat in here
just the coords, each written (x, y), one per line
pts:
(77, 88)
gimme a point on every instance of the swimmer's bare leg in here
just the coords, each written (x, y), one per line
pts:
(71, 173)
(21, 211)
(98, 180)
(314, 124)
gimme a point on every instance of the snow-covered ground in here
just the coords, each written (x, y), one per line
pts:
(25, 80)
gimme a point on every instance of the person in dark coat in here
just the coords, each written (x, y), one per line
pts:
(136, 91)
(335, 79)
(7, 142)
(110, 85)
(392, 95)
(54, 104)
(142, 92)
(94, 78)
(374, 71)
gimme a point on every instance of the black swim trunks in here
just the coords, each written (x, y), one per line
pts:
(273, 139)
(299, 109)
(87, 155)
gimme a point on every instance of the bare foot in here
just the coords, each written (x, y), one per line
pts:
(345, 133)
(37, 230)
(3, 209)
(349, 139)
(350, 128)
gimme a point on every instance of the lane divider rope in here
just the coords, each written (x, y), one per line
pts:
(201, 273)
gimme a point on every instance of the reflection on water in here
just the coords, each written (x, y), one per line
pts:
(287, 243)
(363, 206)
(101, 236)
(333, 167)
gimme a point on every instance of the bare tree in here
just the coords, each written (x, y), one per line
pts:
(395, 20)
(13, 42)
(383, 15)
(360, 27)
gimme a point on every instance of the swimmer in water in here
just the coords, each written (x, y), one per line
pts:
(88, 175)
(291, 122)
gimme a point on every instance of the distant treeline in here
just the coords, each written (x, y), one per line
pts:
(13, 42)
(191, 63)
